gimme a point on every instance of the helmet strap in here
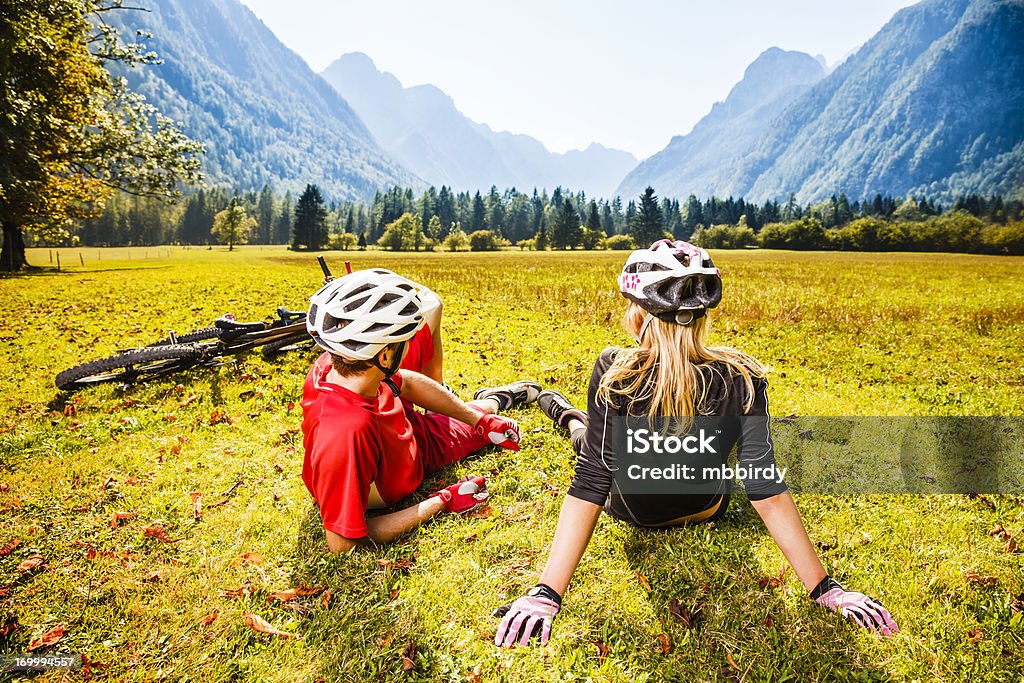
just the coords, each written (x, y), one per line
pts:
(396, 360)
(677, 317)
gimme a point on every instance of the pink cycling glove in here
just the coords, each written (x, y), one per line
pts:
(855, 606)
(464, 495)
(528, 616)
(501, 431)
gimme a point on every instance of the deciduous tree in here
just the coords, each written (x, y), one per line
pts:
(70, 133)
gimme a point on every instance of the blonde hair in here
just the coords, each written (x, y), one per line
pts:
(666, 369)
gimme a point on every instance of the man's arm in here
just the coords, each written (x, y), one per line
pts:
(428, 394)
(386, 528)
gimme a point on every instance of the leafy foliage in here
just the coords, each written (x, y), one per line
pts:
(233, 225)
(72, 133)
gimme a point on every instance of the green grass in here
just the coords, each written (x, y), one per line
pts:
(844, 334)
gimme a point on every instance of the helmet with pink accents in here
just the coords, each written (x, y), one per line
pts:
(673, 281)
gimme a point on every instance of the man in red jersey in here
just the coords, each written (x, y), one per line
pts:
(365, 445)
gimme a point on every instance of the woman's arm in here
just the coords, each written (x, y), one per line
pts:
(576, 523)
(783, 521)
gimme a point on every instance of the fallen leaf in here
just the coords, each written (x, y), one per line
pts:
(115, 521)
(602, 649)
(1011, 545)
(298, 592)
(110, 481)
(394, 593)
(691, 617)
(387, 641)
(159, 533)
(197, 504)
(997, 531)
(643, 581)
(209, 619)
(247, 560)
(325, 599)
(974, 636)
(407, 657)
(133, 481)
(732, 663)
(48, 638)
(474, 675)
(1017, 605)
(31, 562)
(9, 627)
(976, 578)
(482, 512)
(401, 565)
(11, 545)
(88, 666)
(258, 623)
(243, 591)
(665, 643)
(4, 486)
(187, 401)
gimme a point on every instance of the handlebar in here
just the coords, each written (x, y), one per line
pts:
(327, 271)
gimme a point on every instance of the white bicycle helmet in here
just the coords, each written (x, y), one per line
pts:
(673, 281)
(357, 315)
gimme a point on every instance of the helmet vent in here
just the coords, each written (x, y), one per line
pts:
(353, 305)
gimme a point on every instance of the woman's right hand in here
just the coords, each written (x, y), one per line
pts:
(855, 606)
(530, 615)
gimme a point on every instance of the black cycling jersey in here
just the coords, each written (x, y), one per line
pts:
(594, 481)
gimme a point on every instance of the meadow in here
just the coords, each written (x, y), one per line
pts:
(151, 586)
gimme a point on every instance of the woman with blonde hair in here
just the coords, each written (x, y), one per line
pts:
(671, 378)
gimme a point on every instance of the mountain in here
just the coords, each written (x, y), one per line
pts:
(693, 163)
(932, 105)
(423, 128)
(262, 113)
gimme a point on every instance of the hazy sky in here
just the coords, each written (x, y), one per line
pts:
(629, 75)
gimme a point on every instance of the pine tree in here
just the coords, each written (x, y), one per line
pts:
(568, 232)
(648, 226)
(265, 216)
(310, 227)
(478, 218)
(283, 225)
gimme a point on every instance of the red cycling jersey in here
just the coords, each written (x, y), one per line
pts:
(352, 441)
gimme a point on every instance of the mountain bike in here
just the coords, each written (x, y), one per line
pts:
(205, 347)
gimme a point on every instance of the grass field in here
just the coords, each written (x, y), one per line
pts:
(843, 334)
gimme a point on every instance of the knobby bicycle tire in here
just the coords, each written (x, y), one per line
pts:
(194, 336)
(294, 343)
(129, 366)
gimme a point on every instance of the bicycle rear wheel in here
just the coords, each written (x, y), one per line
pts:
(129, 366)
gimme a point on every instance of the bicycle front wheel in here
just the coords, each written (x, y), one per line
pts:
(129, 366)
(195, 336)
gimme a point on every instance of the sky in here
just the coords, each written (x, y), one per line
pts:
(628, 75)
